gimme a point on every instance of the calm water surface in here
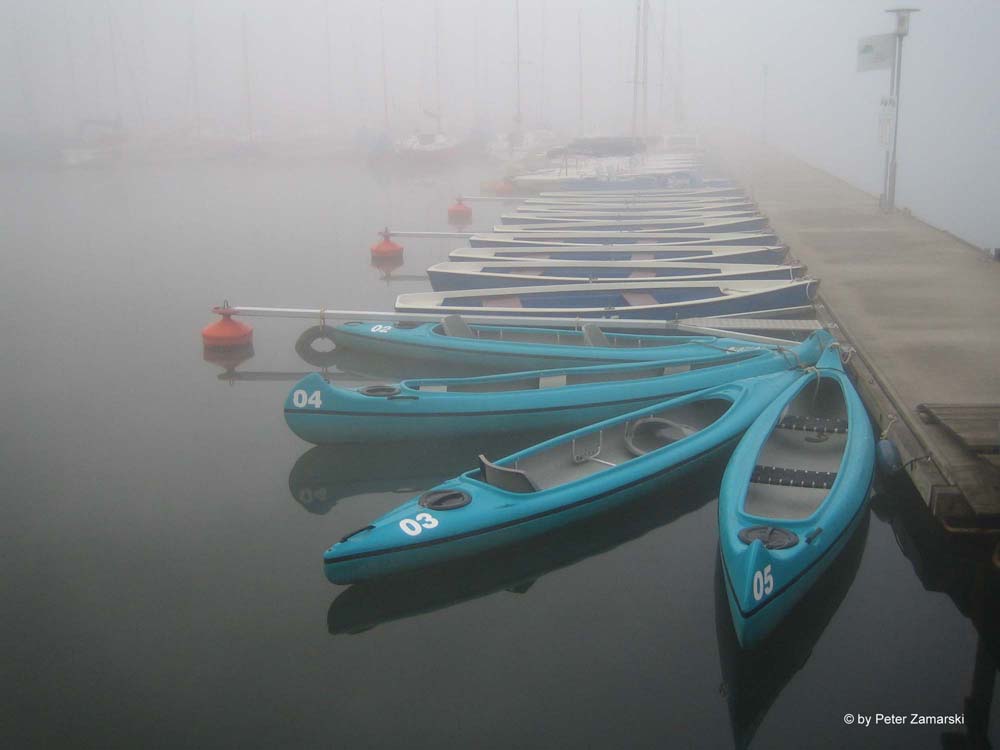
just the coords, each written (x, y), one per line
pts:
(162, 529)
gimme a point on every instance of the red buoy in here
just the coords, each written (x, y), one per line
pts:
(459, 214)
(226, 333)
(386, 248)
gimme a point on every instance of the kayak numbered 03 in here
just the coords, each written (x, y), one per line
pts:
(562, 480)
(514, 348)
(795, 489)
(541, 400)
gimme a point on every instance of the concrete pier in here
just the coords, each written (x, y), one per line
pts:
(922, 309)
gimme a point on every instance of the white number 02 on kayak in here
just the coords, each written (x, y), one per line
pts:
(413, 527)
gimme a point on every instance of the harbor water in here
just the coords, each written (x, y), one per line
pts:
(163, 530)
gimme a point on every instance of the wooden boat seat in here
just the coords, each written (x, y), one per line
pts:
(505, 478)
(594, 336)
(455, 326)
(810, 423)
(639, 299)
(785, 477)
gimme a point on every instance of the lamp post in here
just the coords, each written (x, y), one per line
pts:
(902, 29)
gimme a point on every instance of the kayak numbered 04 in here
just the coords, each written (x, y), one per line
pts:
(541, 400)
(514, 348)
(795, 489)
(562, 480)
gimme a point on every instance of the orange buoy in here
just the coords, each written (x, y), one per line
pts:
(504, 187)
(459, 214)
(386, 248)
(226, 333)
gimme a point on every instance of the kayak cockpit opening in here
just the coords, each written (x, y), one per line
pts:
(594, 451)
(798, 463)
(455, 326)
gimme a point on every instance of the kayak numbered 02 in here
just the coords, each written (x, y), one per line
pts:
(795, 489)
(557, 482)
(513, 348)
(541, 400)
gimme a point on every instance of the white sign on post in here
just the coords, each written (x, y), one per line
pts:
(876, 52)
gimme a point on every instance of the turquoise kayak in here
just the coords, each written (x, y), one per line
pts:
(514, 348)
(514, 568)
(562, 480)
(544, 400)
(795, 489)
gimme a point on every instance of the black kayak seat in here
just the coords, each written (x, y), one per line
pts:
(505, 478)
(810, 423)
(652, 433)
(455, 326)
(785, 477)
(594, 336)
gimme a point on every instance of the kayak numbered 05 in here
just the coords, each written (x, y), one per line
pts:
(542, 400)
(514, 348)
(557, 482)
(795, 489)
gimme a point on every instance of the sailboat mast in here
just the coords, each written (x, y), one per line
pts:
(329, 67)
(541, 73)
(517, 61)
(635, 72)
(385, 76)
(679, 83)
(195, 82)
(645, 67)
(114, 68)
(663, 61)
(437, 65)
(579, 48)
(246, 80)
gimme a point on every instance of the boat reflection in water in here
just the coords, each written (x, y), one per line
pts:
(962, 567)
(515, 568)
(752, 679)
(327, 474)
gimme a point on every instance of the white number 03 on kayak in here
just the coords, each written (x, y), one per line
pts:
(413, 527)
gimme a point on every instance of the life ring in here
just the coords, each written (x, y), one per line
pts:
(305, 348)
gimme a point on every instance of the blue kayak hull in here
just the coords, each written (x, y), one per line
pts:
(320, 412)
(426, 342)
(808, 510)
(481, 512)
(366, 568)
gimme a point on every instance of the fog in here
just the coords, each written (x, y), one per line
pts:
(314, 68)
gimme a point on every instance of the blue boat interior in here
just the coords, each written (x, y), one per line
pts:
(591, 335)
(592, 451)
(585, 298)
(799, 461)
(603, 273)
(571, 376)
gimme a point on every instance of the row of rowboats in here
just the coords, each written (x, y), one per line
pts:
(628, 412)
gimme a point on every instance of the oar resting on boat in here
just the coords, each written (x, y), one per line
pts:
(562, 480)
(514, 348)
(543, 400)
(794, 491)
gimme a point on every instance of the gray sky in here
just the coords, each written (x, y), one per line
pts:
(59, 60)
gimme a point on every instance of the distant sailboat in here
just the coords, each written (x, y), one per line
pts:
(434, 146)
